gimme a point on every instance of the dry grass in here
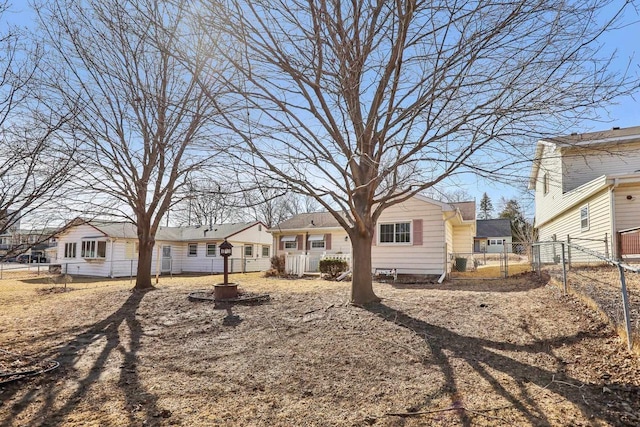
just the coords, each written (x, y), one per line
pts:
(511, 352)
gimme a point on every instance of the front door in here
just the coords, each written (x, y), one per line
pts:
(166, 259)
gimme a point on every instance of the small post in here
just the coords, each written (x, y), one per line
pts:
(625, 307)
(131, 272)
(569, 252)
(1, 267)
(506, 261)
(606, 246)
(564, 270)
(225, 251)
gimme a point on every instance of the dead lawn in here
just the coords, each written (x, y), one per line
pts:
(507, 352)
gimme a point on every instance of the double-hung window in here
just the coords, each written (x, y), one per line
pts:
(584, 218)
(399, 232)
(265, 251)
(211, 249)
(193, 249)
(317, 241)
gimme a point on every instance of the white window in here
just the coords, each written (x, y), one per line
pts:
(584, 218)
(211, 249)
(193, 249)
(496, 242)
(399, 232)
(93, 249)
(266, 251)
(317, 241)
(70, 250)
(290, 242)
(248, 251)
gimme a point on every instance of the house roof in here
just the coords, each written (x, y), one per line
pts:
(126, 230)
(493, 227)
(615, 135)
(467, 209)
(308, 221)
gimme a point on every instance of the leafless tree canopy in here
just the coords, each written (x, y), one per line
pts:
(363, 104)
(144, 123)
(35, 161)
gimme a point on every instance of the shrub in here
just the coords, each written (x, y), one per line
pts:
(333, 267)
(278, 264)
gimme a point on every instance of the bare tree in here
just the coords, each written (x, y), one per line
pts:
(35, 161)
(145, 123)
(364, 104)
(208, 203)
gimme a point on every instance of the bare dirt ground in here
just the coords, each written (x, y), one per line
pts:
(510, 352)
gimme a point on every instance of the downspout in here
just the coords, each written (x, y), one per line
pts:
(614, 234)
(445, 261)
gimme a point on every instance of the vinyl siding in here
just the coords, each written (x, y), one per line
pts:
(338, 242)
(463, 239)
(569, 223)
(627, 211)
(407, 258)
(581, 165)
(545, 203)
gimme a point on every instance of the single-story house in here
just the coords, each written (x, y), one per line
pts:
(493, 236)
(417, 237)
(587, 190)
(110, 249)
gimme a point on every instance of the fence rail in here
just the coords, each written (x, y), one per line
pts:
(612, 286)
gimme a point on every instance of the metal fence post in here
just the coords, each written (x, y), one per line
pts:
(625, 306)
(569, 252)
(131, 272)
(564, 270)
(606, 245)
(506, 261)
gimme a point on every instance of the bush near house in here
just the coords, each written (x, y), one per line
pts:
(333, 267)
(277, 266)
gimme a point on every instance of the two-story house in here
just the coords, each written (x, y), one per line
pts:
(587, 189)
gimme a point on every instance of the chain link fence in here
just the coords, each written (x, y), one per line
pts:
(611, 287)
(500, 261)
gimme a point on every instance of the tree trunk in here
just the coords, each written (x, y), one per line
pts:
(362, 285)
(145, 257)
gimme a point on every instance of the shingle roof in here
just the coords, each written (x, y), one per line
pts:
(467, 209)
(493, 227)
(308, 221)
(190, 233)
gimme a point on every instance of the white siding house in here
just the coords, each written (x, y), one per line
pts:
(414, 237)
(587, 188)
(110, 249)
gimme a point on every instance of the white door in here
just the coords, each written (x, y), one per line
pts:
(166, 259)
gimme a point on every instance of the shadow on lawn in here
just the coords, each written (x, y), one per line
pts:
(481, 355)
(137, 400)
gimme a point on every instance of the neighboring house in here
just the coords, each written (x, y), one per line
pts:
(493, 236)
(110, 249)
(417, 236)
(587, 189)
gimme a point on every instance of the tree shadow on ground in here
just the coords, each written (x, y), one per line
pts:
(519, 283)
(482, 356)
(52, 412)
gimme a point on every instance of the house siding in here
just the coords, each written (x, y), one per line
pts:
(581, 165)
(412, 259)
(463, 239)
(569, 223)
(627, 212)
(545, 203)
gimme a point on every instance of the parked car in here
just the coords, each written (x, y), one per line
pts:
(23, 259)
(35, 259)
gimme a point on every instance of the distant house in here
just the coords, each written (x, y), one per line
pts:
(587, 189)
(417, 236)
(493, 236)
(110, 249)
